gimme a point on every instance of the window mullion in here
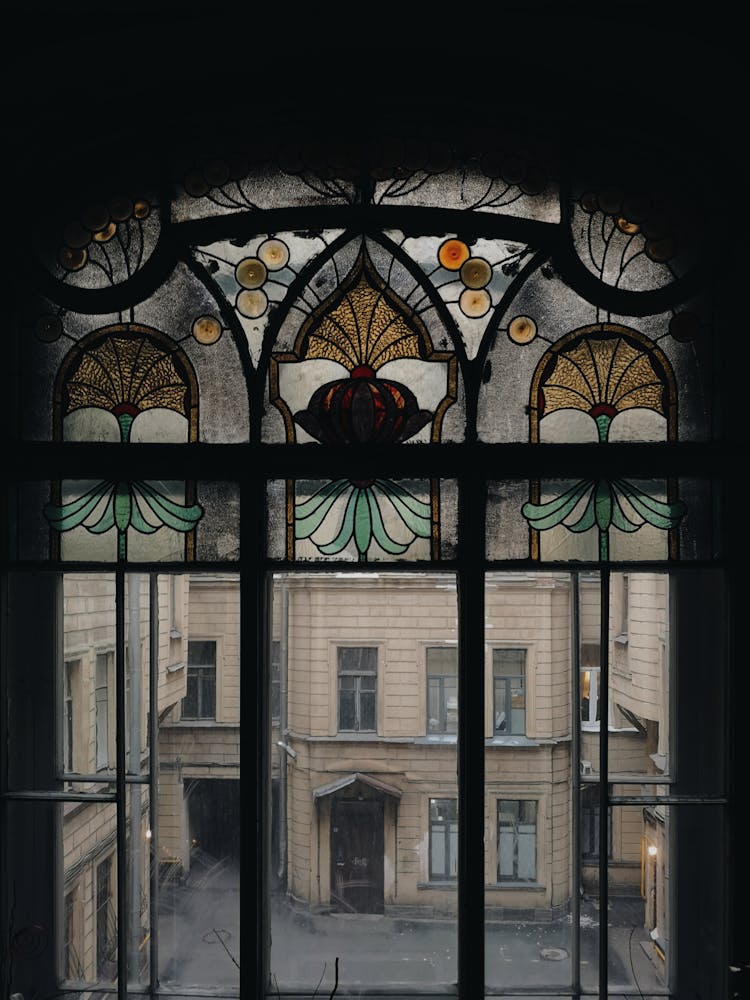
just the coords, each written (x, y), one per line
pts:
(603, 818)
(255, 799)
(575, 765)
(121, 787)
(471, 749)
(153, 775)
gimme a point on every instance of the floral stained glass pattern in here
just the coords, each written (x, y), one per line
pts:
(603, 371)
(139, 506)
(114, 376)
(370, 335)
(254, 276)
(370, 514)
(126, 370)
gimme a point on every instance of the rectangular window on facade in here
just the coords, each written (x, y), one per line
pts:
(516, 840)
(275, 679)
(357, 670)
(103, 696)
(443, 839)
(175, 607)
(590, 682)
(200, 696)
(509, 691)
(70, 669)
(442, 690)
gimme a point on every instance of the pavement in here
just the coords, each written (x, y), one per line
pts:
(311, 953)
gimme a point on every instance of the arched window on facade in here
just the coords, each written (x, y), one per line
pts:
(335, 460)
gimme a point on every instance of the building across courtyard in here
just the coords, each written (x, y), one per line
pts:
(363, 715)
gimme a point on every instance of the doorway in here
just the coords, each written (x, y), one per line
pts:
(357, 856)
(213, 820)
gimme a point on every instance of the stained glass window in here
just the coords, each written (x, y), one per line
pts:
(408, 413)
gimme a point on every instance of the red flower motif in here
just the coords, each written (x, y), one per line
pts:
(362, 409)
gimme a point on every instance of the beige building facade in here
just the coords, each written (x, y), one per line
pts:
(363, 756)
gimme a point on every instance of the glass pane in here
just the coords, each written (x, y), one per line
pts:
(197, 846)
(363, 356)
(137, 672)
(254, 276)
(89, 894)
(416, 171)
(638, 706)
(140, 521)
(471, 278)
(61, 699)
(640, 656)
(627, 240)
(374, 520)
(569, 378)
(86, 378)
(601, 520)
(102, 243)
(364, 822)
(300, 173)
(528, 764)
(639, 913)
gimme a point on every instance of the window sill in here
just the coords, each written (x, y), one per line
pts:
(203, 724)
(511, 741)
(453, 884)
(531, 886)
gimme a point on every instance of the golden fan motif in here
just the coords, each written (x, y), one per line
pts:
(596, 371)
(126, 370)
(363, 323)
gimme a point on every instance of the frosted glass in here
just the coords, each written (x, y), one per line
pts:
(222, 186)
(470, 189)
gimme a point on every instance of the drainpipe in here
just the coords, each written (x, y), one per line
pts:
(283, 731)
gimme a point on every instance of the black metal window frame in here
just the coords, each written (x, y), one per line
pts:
(471, 464)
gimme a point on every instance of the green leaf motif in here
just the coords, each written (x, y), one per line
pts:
(617, 504)
(368, 511)
(126, 506)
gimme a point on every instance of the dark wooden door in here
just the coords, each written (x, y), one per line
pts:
(356, 856)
